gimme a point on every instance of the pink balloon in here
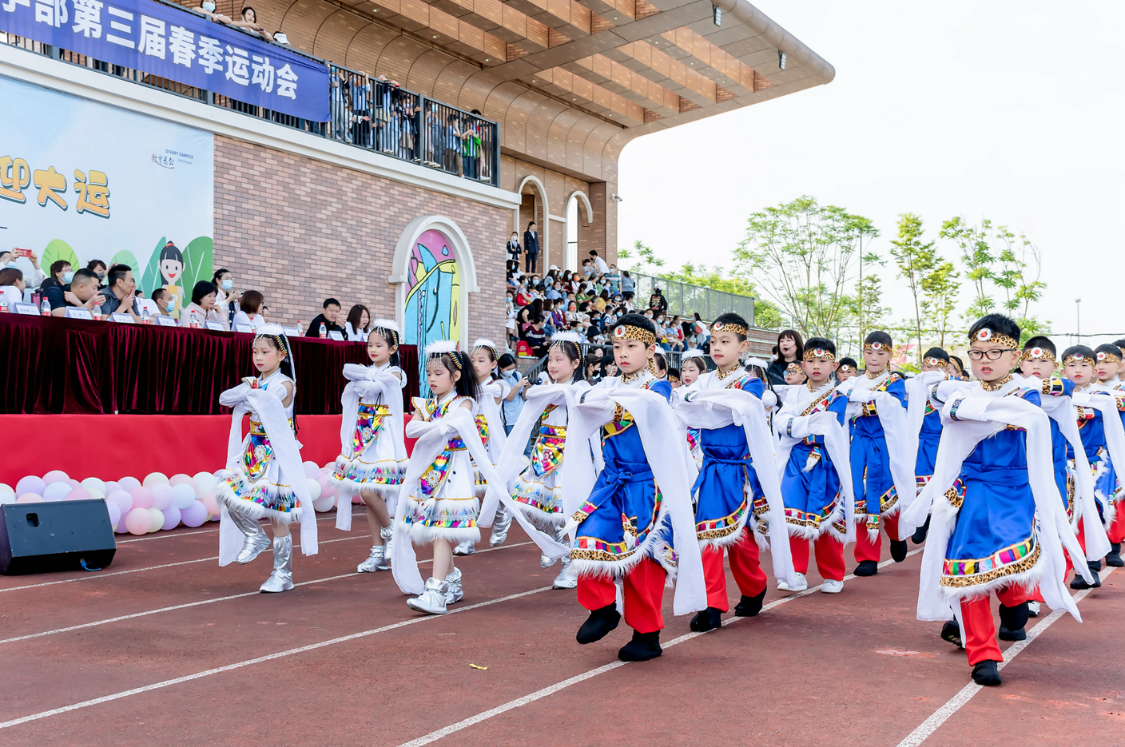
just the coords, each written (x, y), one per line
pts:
(138, 521)
(78, 494)
(311, 470)
(179, 478)
(73, 483)
(121, 499)
(209, 502)
(55, 475)
(142, 498)
(30, 484)
(30, 498)
(194, 515)
(128, 483)
(171, 518)
(121, 528)
(162, 495)
(111, 487)
(327, 489)
(356, 500)
(114, 513)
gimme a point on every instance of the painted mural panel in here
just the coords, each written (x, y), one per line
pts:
(433, 296)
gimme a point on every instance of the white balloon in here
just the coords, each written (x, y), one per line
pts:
(157, 520)
(314, 489)
(155, 477)
(95, 486)
(184, 495)
(324, 504)
(58, 490)
(7, 494)
(205, 482)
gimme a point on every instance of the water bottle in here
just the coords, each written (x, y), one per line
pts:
(146, 318)
(45, 307)
(3, 305)
(323, 331)
(98, 313)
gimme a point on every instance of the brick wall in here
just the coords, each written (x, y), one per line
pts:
(301, 231)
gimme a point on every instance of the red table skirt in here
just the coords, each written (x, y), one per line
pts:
(114, 446)
(72, 366)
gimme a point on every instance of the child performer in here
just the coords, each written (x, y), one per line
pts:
(882, 455)
(738, 494)
(624, 522)
(1109, 365)
(925, 421)
(693, 366)
(816, 481)
(848, 369)
(373, 456)
(261, 468)
(490, 425)
(537, 490)
(794, 374)
(998, 525)
(438, 501)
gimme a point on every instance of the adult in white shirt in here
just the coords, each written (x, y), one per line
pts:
(202, 308)
(250, 311)
(29, 266)
(599, 263)
(358, 325)
(12, 287)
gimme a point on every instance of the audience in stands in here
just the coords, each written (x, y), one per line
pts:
(120, 294)
(513, 248)
(250, 311)
(358, 325)
(81, 292)
(202, 308)
(328, 318)
(536, 338)
(248, 22)
(531, 248)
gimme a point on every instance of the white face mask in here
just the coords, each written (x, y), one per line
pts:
(209, 7)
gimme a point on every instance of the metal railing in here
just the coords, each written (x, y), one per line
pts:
(370, 113)
(685, 300)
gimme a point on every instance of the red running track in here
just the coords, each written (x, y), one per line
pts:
(165, 646)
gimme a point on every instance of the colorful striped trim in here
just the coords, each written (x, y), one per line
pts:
(717, 528)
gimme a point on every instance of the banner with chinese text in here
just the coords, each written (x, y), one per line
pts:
(180, 46)
(81, 180)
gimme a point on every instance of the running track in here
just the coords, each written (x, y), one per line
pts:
(164, 646)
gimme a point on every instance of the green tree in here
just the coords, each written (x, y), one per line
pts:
(939, 300)
(915, 261)
(803, 254)
(979, 258)
(641, 259)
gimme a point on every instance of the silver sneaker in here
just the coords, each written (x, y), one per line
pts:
(432, 600)
(256, 537)
(546, 561)
(388, 535)
(455, 592)
(500, 526)
(467, 547)
(565, 579)
(376, 561)
(282, 577)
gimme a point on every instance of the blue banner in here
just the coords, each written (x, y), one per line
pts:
(171, 43)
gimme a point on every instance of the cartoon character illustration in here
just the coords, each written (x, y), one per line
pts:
(433, 295)
(171, 272)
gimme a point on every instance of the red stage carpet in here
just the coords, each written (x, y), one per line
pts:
(115, 446)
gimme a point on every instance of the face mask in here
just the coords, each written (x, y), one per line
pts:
(170, 306)
(67, 277)
(101, 275)
(228, 284)
(209, 7)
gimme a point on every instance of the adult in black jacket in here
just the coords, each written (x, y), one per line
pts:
(531, 248)
(329, 318)
(513, 249)
(790, 348)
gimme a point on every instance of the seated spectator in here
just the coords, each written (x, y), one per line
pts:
(328, 318)
(61, 274)
(227, 297)
(358, 325)
(613, 279)
(32, 274)
(266, 313)
(120, 295)
(12, 287)
(250, 310)
(674, 333)
(249, 22)
(81, 292)
(202, 308)
(207, 8)
(165, 302)
(536, 338)
(97, 267)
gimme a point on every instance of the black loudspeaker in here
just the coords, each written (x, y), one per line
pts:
(55, 536)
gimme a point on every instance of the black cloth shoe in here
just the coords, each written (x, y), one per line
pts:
(1113, 560)
(750, 606)
(1012, 622)
(919, 535)
(599, 624)
(708, 619)
(866, 568)
(951, 631)
(643, 647)
(986, 674)
(898, 550)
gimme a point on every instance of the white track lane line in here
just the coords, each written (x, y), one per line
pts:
(209, 601)
(941, 715)
(174, 535)
(552, 689)
(258, 660)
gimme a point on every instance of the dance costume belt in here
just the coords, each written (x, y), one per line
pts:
(259, 451)
(743, 462)
(547, 453)
(368, 424)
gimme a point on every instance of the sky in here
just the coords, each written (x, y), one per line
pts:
(1005, 110)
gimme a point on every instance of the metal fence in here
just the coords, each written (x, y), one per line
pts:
(370, 113)
(685, 300)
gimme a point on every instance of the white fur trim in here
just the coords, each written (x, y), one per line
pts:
(567, 337)
(483, 342)
(390, 324)
(440, 347)
(421, 534)
(224, 495)
(617, 569)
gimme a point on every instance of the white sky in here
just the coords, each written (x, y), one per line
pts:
(1000, 109)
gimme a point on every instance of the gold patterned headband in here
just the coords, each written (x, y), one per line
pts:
(1077, 358)
(1108, 357)
(986, 335)
(811, 353)
(874, 347)
(629, 332)
(738, 329)
(794, 367)
(1037, 354)
(931, 361)
(846, 368)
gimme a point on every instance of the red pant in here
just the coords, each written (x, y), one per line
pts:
(748, 573)
(865, 549)
(1035, 595)
(829, 556)
(1116, 530)
(980, 631)
(644, 592)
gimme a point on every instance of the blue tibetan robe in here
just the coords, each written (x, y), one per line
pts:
(871, 459)
(810, 486)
